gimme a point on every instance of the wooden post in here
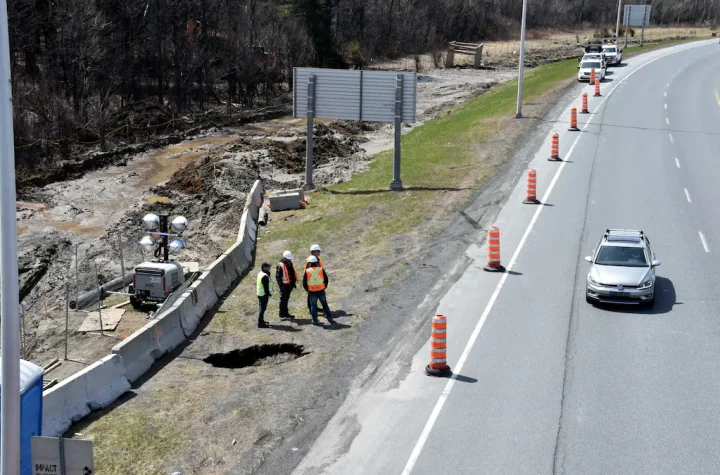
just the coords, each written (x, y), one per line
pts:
(478, 57)
(450, 59)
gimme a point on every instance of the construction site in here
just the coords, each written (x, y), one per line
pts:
(231, 395)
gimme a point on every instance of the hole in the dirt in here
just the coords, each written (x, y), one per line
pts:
(257, 355)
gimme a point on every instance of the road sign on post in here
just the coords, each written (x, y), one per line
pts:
(58, 456)
(374, 96)
(636, 15)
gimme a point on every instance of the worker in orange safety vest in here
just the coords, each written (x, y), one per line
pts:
(315, 281)
(314, 251)
(286, 277)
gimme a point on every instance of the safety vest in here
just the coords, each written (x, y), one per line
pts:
(315, 279)
(320, 263)
(286, 274)
(260, 287)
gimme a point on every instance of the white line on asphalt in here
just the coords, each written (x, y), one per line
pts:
(667, 85)
(687, 195)
(677, 162)
(671, 139)
(476, 332)
(704, 242)
(665, 106)
(665, 95)
(667, 121)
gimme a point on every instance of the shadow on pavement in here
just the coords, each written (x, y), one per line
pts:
(465, 379)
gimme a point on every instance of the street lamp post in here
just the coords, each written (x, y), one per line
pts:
(617, 23)
(521, 67)
(9, 291)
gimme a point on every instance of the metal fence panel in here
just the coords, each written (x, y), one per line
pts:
(354, 95)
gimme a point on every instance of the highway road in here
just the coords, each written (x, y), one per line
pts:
(544, 382)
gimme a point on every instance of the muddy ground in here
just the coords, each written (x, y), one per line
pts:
(201, 175)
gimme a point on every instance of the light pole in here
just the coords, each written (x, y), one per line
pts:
(9, 292)
(521, 67)
(617, 23)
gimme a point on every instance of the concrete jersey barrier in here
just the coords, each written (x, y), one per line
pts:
(100, 384)
(95, 387)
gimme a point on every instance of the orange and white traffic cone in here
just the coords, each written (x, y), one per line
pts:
(592, 76)
(555, 148)
(438, 348)
(585, 104)
(597, 87)
(531, 197)
(493, 264)
(573, 120)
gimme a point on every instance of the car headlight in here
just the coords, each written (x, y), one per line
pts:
(592, 281)
(645, 285)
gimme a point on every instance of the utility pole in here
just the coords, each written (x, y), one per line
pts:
(521, 67)
(9, 289)
(617, 24)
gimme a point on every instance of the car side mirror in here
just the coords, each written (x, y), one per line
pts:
(588, 258)
(656, 263)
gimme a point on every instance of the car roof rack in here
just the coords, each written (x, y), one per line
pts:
(624, 235)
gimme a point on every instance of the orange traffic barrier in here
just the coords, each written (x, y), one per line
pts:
(493, 264)
(438, 348)
(597, 87)
(573, 119)
(531, 197)
(585, 104)
(555, 147)
(592, 76)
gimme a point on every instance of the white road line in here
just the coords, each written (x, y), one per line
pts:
(704, 242)
(672, 141)
(667, 85)
(415, 455)
(667, 121)
(677, 162)
(665, 106)
(665, 95)
(687, 195)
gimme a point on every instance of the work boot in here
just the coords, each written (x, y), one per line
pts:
(332, 322)
(263, 325)
(317, 323)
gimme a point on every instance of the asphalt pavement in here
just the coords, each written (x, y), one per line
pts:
(544, 382)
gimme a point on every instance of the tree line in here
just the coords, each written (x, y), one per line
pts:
(81, 67)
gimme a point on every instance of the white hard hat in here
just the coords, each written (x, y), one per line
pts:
(287, 255)
(312, 259)
(315, 247)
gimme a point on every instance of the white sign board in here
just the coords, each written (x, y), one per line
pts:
(354, 94)
(78, 456)
(637, 15)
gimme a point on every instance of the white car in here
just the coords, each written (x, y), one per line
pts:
(595, 57)
(587, 66)
(613, 54)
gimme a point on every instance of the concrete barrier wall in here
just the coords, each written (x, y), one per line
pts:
(102, 383)
(94, 387)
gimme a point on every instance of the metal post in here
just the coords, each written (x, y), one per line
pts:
(97, 283)
(77, 281)
(164, 230)
(396, 183)
(9, 290)
(521, 67)
(310, 146)
(642, 35)
(617, 24)
(24, 341)
(67, 315)
(122, 261)
(628, 10)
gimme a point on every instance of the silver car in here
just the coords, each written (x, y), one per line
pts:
(622, 270)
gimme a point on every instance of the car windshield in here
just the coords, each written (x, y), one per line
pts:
(621, 256)
(591, 64)
(610, 50)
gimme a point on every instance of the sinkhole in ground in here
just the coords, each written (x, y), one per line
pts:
(257, 355)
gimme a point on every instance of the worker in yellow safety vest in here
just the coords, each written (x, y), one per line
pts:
(315, 281)
(286, 277)
(264, 292)
(314, 251)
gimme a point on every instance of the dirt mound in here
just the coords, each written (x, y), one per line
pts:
(353, 128)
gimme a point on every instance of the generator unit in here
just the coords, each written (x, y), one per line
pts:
(154, 281)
